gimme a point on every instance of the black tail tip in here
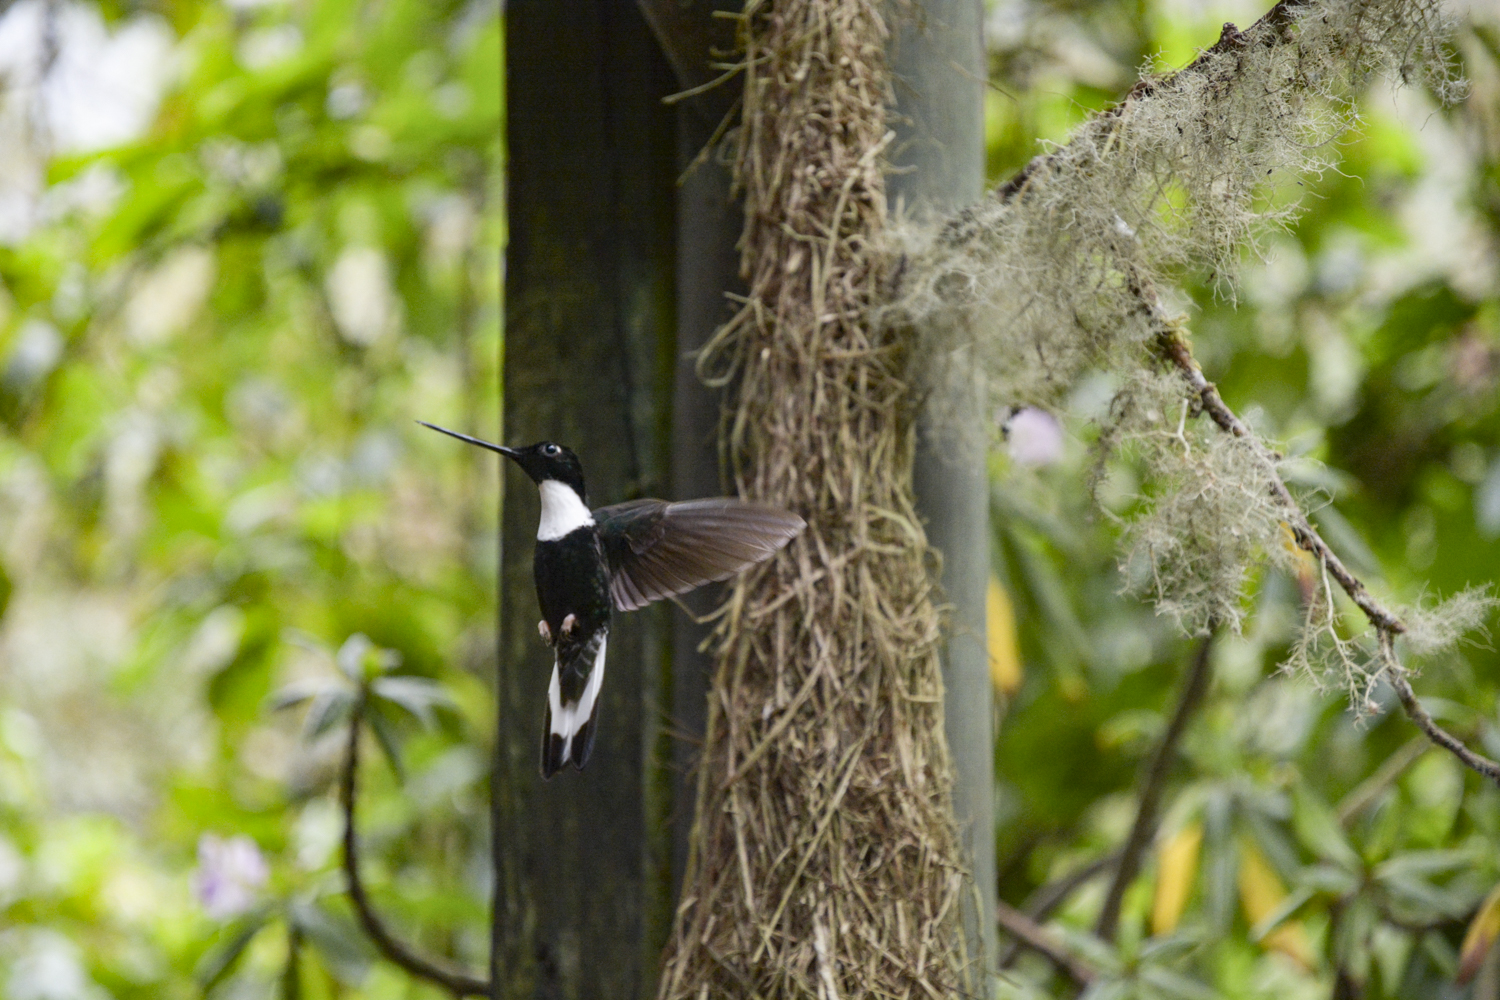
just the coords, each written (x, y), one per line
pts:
(583, 741)
(554, 748)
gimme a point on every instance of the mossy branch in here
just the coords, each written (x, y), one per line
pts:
(1054, 278)
(1174, 348)
(1275, 20)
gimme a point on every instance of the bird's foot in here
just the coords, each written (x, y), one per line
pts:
(569, 624)
(546, 632)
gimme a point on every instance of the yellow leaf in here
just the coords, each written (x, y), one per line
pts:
(1306, 565)
(1005, 652)
(1480, 938)
(1261, 892)
(1176, 869)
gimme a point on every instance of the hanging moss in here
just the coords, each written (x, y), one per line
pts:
(1055, 278)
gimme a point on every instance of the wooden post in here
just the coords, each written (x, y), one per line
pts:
(708, 265)
(588, 346)
(938, 61)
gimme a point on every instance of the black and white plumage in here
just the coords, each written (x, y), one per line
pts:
(621, 557)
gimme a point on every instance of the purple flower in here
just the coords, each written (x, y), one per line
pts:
(1035, 437)
(230, 871)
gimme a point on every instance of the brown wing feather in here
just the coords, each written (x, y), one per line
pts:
(658, 550)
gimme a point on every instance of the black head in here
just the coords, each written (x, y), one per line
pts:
(541, 461)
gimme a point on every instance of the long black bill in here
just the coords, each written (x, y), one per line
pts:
(499, 448)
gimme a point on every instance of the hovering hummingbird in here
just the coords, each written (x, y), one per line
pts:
(623, 556)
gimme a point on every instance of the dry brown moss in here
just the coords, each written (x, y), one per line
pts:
(824, 861)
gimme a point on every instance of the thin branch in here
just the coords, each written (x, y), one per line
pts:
(1047, 898)
(460, 984)
(1031, 934)
(1174, 348)
(1143, 831)
(1436, 733)
(1365, 794)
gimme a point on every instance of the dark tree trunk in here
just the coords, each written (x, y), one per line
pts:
(939, 69)
(581, 861)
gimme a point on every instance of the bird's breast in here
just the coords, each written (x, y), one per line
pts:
(572, 579)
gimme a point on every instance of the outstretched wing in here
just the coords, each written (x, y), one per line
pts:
(657, 549)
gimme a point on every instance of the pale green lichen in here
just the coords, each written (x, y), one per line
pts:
(1047, 282)
(1208, 516)
(1434, 630)
(1331, 654)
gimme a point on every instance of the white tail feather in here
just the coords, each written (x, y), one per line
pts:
(568, 719)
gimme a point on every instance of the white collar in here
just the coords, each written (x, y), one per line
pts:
(563, 511)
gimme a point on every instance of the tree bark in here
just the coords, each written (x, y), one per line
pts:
(939, 67)
(589, 331)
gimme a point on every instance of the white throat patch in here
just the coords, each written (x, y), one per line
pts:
(562, 511)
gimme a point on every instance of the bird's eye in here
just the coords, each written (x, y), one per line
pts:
(551, 449)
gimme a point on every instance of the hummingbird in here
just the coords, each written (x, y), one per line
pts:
(587, 563)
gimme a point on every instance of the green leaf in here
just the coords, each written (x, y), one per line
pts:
(1351, 946)
(296, 693)
(1175, 984)
(388, 743)
(327, 710)
(1320, 832)
(1294, 901)
(351, 656)
(1106, 989)
(1050, 593)
(1096, 952)
(1346, 541)
(1424, 864)
(1330, 880)
(1391, 948)
(1221, 862)
(418, 695)
(220, 959)
(1416, 900)
(344, 950)
(1171, 947)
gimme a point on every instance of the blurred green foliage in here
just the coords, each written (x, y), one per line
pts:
(210, 479)
(1321, 851)
(211, 491)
